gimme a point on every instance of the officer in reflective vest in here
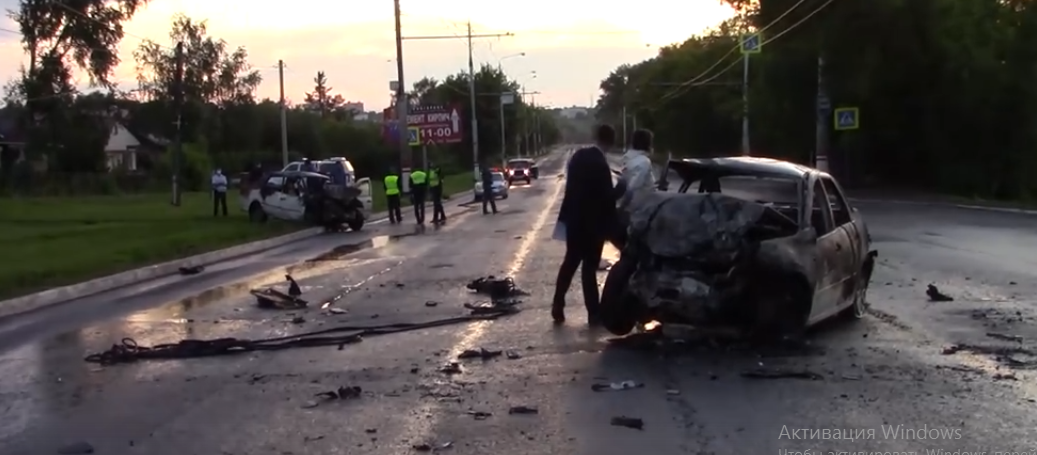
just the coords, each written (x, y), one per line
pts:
(392, 196)
(435, 187)
(418, 190)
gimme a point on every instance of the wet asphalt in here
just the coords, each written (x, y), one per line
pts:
(892, 370)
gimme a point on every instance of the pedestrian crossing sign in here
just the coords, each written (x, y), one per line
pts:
(413, 135)
(751, 44)
(847, 118)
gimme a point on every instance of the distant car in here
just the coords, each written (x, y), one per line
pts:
(499, 190)
(522, 169)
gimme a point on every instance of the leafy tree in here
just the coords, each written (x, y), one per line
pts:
(321, 99)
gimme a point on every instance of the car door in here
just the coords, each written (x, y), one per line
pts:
(829, 243)
(270, 196)
(849, 249)
(366, 198)
(291, 201)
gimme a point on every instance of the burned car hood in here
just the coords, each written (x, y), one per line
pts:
(680, 224)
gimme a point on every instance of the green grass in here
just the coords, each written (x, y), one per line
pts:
(50, 242)
(452, 184)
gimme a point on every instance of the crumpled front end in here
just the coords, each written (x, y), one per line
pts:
(710, 259)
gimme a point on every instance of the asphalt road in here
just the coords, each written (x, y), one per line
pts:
(883, 373)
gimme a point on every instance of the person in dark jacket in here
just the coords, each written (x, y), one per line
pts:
(588, 214)
(418, 191)
(487, 190)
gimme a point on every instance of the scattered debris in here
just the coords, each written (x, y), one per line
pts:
(431, 303)
(371, 430)
(629, 422)
(432, 447)
(523, 410)
(673, 392)
(1006, 337)
(273, 299)
(342, 393)
(481, 353)
(298, 320)
(480, 415)
(312, 438)
(1005, 377)
(293, 287)
(936, 296)
(192, 270)
(496, 288)
(336, 310)
(781, 374)
(77, 448)
(624, 385)
(451, 368)
(512, 355)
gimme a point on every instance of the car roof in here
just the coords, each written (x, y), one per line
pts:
(517, 160)
(298, 174)
(696, 168)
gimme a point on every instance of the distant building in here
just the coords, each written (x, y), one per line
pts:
(572, 112)
(355, 107)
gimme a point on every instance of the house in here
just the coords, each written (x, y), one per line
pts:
(124, 147)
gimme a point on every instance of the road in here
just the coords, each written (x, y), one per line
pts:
(885, 372)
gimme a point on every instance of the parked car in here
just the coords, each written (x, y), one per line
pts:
(499, 190)
(761, 247)
(308, 197)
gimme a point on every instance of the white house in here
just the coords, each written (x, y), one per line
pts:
(121, 149)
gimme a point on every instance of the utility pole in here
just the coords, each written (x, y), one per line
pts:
(401, 102)
(471, 96)
(503, 135)
(824, 106)
(178, 141)
(745, 105)
(284, 115)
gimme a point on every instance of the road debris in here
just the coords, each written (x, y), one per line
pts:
(936, 296)
(673, 392)
(624, 385)
(336, 310)
(523, 410)
(480, 415)
(781, 374)
(481, 353)
(497, 288)
(451, 368)
(512, 355)
(431, 303)
(293, 287)
(76, 448)
(298, 320)
(271, 298)
(1006, 337)
(128, 351)
(425, 447)
(629, 422)
(192, 270)
(342, 393)
(1005, 377)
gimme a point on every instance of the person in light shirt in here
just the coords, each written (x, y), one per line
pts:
(219, 192)
(638, 178)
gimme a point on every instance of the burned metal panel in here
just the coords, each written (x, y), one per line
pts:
(678, 225)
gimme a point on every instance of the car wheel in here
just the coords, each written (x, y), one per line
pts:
(859, 308)
(618, 308)
(355, 224)
(256, 213)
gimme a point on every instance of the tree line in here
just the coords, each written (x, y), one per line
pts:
(221, 122)
(944, 90)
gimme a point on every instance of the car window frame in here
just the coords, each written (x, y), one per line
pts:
(826, 209)
(837, 199)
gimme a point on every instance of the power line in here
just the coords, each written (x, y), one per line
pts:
(683, 87)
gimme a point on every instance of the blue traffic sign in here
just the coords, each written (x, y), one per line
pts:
(414, 135)
(847, 118)
(751, 44)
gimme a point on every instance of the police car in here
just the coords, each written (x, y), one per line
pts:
(500, 186)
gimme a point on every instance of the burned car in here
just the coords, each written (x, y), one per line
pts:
(761, 248)
(308, 197)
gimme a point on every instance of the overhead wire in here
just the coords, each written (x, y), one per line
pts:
(681, 88)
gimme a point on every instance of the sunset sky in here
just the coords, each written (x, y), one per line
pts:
(570, 45)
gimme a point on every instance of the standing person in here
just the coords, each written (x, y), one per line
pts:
(418, 190)
(219, 192)
(487, 190)
(392, 196)
(588, 215)
(435, 187)
(638, 178)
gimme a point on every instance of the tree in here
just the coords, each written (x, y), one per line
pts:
(321, 99)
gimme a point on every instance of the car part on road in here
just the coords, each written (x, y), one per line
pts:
(523, 410)
(629, 422)
(451, 368)
(271, 298)
(293, 286)
(129, 351)
(781, 374)
(342, 393)
(192, 270)
(624, 385)
(936, 296)
(481, 353)
(496, 288)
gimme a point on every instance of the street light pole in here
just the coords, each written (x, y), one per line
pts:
(401, 102)
(503, 135)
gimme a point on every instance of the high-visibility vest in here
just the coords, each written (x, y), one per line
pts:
(392, 188)
(433, 178)
(418, 177)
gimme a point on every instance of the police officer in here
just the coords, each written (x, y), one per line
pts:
(487, 190)
(435, 186)
(418, 191)
(392, 196)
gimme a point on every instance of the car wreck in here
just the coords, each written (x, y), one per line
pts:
(762, 247)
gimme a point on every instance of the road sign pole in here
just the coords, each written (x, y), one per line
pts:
(745, 105)
(821, 152)
(503, 136)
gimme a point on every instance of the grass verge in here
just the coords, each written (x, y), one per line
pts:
(51, 242)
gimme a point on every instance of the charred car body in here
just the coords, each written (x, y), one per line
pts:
(308, 197)
(761, 247)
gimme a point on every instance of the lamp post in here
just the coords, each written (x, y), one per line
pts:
(505, 98)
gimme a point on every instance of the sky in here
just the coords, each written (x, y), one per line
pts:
(569, 46)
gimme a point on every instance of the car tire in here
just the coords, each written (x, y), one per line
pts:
(618, 308)
(859, 307)
(356, 224)
(256, 214)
